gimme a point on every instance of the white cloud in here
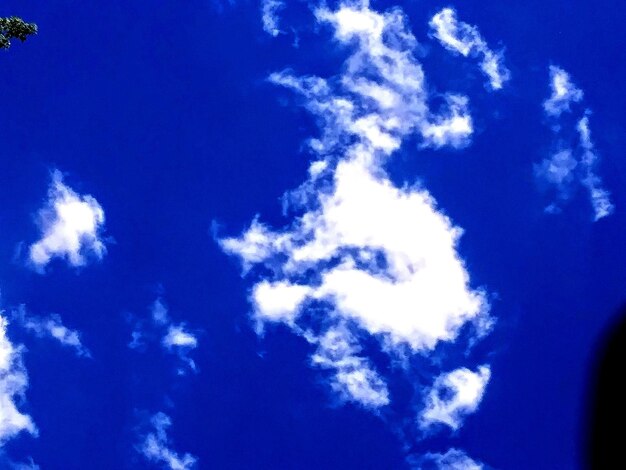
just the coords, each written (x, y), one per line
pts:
(354, 378)
(381, 95)
(159, 313)
(564, 92)
(71, 226)
(453, 396)
(453, 459)
(177, 337)
(453, 128)
(269, 15)
(278, 301)
(13, 383)
(174, 338)
(155, 446)
(52, 327)
(558, 169)
(365, 257)
(420, 295)
(466, 40)
(571, 166)
(600, 197)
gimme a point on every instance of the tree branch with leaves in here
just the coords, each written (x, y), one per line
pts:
(14, 28)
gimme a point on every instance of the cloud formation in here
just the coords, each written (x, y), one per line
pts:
(13, 384)
(51, 327)
(381, 96)
(564, 92)
(365, 258)
(462, 38)
(353, 376)
(600, 197)
(71, 227)
(453, 459)
(174, 338)
(155, 446)
(269, 16)
(454, 395)
(574, 160)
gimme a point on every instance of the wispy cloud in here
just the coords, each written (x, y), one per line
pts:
(354, 378)
(381, 97)
(174, 338)
(366, 264)
(71, 227)
(574, 161)
(156, 446)
(453, 459)
(177, 337)
(13, 384)
(454, 395)
(270, 10)
(600, 197)
(564, 92)
(12, 465)
(465, 39)
(50, 327)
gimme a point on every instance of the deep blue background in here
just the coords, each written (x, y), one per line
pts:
(162, 112)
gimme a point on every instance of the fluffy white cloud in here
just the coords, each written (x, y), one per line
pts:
(564, 92)
(71, 226)
(453, 459)
(279, 301)
(386, 258)
(453, 396)
(571, 166)
(13, 383)
(269, 16)
(155, 446)
(52, 327)
(466, 40)
(365, 257)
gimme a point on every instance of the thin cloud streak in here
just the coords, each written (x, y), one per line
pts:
(51, 327)
(464, 39)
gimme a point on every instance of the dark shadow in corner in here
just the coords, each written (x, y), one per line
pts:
(605, 423)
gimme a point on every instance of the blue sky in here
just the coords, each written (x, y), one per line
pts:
(307, 234)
